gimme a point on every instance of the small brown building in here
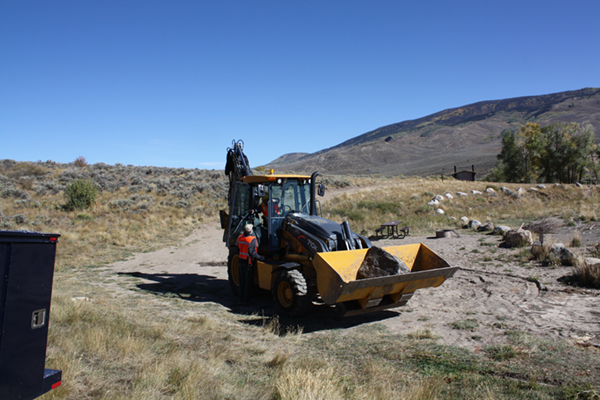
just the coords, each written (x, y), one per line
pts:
(464, 175)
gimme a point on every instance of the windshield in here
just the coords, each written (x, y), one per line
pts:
(291, 196)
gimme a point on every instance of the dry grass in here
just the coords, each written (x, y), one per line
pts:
(422, 334)
(131, 213)
(127, 344)
(305, 384)
(129, 348)
(588, 275)
(540, 252)
(406, 200)
(576, 240)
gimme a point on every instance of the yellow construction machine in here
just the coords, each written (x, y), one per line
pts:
(309, 259)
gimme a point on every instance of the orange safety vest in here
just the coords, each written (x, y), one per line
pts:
(243, 245)
(265, 209)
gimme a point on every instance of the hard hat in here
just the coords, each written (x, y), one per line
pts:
(248, 228)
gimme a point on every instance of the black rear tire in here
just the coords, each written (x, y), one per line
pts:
(233, 273)
(291, 293)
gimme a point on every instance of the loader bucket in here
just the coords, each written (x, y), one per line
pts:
(338, 284)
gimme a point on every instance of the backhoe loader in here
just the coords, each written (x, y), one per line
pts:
(310, 259)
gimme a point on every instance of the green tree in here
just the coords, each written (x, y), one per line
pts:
(567, 152)
(582, 149)
(560, 152)
(530, 140)
(554, 153)
(510, 160)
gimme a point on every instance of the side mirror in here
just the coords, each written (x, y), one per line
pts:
(321, 190)
(259, 191)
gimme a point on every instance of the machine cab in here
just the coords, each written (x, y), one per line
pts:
(265, 201)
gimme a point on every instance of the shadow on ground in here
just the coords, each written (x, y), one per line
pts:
(261, 312)
(192, 287)
(321, 317)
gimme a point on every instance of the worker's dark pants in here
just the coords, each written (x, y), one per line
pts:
(246, 280)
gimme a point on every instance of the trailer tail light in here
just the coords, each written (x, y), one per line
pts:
(53, 239)
(57, 384)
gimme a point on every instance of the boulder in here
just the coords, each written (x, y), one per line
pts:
(433, 202)
(520, 191)
(461, 194)
(439, 197)
(476, 192)
(578, 184)
(474, 224)
(541, 186)
(500, 230)
(518, 238)
(592, 262)
(439, 211)
(449, 196)
(491, 192)
(509, 192)
(486, 227)
(559, 252)
(379, 262)
(464, 221)
(534, 189)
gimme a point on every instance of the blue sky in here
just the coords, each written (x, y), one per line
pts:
(172, 83)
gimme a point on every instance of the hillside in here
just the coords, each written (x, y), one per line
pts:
(288, 158)
(462, 136)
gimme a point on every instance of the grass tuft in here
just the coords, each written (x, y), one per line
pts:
(501, 352)
(576, 240)
(304, 384)
(422, 334)
(588, 274)
(465, 324)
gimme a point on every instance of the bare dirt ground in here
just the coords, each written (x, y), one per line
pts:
(493, 291)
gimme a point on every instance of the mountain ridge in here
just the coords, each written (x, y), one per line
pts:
(469, 135)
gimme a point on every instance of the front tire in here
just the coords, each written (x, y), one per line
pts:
(291, 293)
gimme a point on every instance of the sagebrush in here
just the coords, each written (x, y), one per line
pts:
(80, 194)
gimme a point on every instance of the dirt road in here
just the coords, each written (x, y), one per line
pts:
(493, 292)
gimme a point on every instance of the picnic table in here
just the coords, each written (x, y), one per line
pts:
(392, 229)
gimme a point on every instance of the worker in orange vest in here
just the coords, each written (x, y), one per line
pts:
(247, 245)
(264, 206)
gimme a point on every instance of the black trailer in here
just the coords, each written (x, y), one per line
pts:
(26, 272)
